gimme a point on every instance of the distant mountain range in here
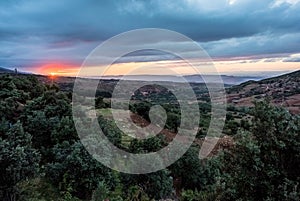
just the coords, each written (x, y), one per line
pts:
(228, 80)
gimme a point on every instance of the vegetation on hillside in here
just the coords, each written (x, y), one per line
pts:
(42, 158)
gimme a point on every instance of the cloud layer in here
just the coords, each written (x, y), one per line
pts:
(33, 33)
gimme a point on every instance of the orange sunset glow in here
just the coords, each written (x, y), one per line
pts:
(167, 68)
(58, 69)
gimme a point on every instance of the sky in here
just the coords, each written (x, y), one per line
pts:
(241, 36)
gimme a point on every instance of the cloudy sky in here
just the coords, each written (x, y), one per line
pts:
(241, 36)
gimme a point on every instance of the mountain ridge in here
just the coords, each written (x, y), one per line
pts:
(283, 90)
(5, 70)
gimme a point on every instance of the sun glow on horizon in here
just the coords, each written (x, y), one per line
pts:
(178, 67)
(57, 69)
(164, 67)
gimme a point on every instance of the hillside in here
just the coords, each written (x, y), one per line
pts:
(38, 136)
(283, 91)
(5, 70)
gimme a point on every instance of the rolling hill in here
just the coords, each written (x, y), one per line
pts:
(283, 90)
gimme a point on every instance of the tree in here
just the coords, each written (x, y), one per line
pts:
(18, 160)
(173, 121)
(264, 163)
(41, 128)
(110, 130)
(64, 131)
(147, 145)
(100, 103)
(74, 170)
(54, 104)
(101, 192)
(156, 185)
(232, 127)
(193, 173)
(43, 118)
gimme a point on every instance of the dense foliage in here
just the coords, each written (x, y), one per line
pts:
(42, 158)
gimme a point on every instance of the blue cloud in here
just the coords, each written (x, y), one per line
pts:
(33, 31)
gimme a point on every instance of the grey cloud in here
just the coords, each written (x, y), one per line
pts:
(292, 59)
(68, 30)
(259, 46)
(99, 20)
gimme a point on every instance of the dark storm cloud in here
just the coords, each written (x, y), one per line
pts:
(68, 30)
